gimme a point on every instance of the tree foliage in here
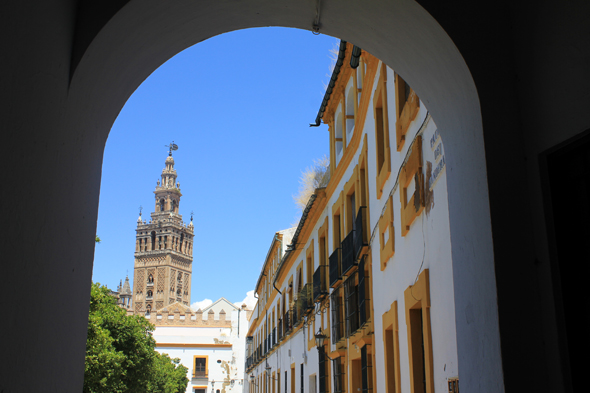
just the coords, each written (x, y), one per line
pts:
(120, 352)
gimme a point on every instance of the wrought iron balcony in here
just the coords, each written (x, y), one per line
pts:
(363, 292)
(351, 302)
(335, 261)
(199, 373)
(320, 288)
(280, 330)
(287, 323)
(274, 336)
(361, 232)
(348, 253)
(295, 315)
(337, 316)
(304, 301)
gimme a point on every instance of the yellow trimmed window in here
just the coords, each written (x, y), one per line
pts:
(391, 350)
(383, 155)
(200, 367)
(406, 109)
(386, 234)
(411, 182)
(417, 299)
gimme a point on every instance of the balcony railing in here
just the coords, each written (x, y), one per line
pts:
(304, 301)
(295, 315)
(335, 267)
(280, 330)
(199, 373)
(274, 336)
(361, 233)
(287, 323)
(320, 289)
(351, 303)
(363, 292)
(348, 253)
(337, 319)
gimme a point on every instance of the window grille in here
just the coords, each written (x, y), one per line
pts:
(302, 386)
(338, 375)
(366, 372)
(363, 290)
(351, 303)
(337, 325)
(322, 369)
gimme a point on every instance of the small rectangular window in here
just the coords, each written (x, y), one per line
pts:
(383, 153)
(406, 109)
(412, 172)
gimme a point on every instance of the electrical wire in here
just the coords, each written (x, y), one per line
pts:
(395, 185)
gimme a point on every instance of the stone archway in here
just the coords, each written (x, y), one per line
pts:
(143, 35)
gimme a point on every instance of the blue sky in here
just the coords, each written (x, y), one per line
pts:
(238, 106)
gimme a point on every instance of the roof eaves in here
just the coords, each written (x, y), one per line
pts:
(333, 79)
(291, 247)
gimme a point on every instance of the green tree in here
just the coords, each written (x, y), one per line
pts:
(120, 352)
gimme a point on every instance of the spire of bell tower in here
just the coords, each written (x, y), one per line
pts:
(164, 248)
(168, 192)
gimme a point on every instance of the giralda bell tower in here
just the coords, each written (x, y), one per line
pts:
(163, 249)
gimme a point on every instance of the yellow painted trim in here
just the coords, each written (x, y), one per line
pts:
(390, 322)
(417, 296)
(206, 357)
(380, 97)
(315, 213)
(309, 255)
(338, 353)
(337, 172)
(387, 249)
(411, 171)
(406, 113)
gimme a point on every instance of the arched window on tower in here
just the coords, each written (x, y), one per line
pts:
(150, 294)
(153, 240)
(174, 206)
(162, 204)
(148, 310)
(150, 278)
(181, 240)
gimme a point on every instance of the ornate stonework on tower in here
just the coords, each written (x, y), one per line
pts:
(163, 249)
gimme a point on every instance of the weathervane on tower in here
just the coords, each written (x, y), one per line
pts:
(173, 146)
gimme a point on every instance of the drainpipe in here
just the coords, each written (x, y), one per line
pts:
(274, 282)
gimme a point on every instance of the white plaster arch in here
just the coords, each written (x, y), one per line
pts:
(143, 34)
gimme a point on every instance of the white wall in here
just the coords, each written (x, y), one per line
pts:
(231, 366)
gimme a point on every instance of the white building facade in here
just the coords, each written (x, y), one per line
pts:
(368, 271)
(211, 346)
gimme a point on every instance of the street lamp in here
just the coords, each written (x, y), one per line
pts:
(320, 338)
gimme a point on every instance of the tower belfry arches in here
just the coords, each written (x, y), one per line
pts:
(164, 249)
